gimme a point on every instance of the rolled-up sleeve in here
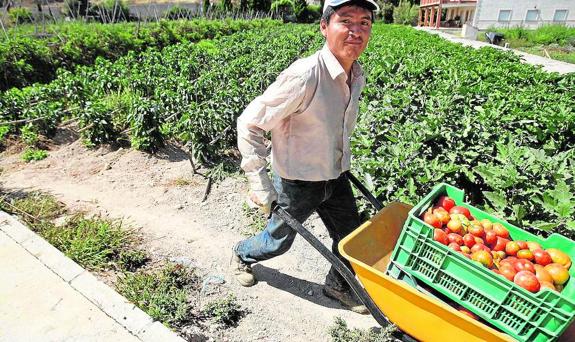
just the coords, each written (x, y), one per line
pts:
(281, 99)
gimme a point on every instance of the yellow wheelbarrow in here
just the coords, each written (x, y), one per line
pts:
(368, 249)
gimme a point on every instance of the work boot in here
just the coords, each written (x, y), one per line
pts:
(242, 271)
(347, 298)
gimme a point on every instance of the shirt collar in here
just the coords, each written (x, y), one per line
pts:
(335, 69)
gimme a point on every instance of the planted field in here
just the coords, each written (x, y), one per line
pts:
(27, 56)
(433, 111)
(479, 119)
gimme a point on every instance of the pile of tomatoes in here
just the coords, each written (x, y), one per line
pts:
(525, 263)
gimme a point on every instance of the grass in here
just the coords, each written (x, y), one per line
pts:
(256, 220)
(557, 40)
(163, 294)
(96, 243)
(33, 154)
(224, 311)
(339, 332)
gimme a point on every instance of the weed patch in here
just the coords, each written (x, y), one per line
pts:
(33, 154)
(163, 294)
(339, 332)
(224, 311)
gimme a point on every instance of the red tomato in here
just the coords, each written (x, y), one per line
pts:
(542, 257)
(500, 244)
(469, 240)
(432, 220)
(527, 281)
(454, 246)
(446, 202)
(524, 265)
(500, 230)
(460, 210)
(507, 271)
(458, 239)
(440, 236)
(490, 237)
(512, 248)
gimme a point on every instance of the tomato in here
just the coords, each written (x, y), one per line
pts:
(480, 247)
(559, 273)
(490, 237)
(440, 236)
(484, 257)
(487, 225)
(527, 281)
(524, 265)
(500, 244)
(500, 230)
(455, 226)
(454, 246)
(507, 271)
(547, 285)
(559, 257)
(542, 257)
(476, 230)
(469, 240)
(542, 274)
(458, 239)
(442, 215)
(446, 202)
(533, 245)
(525, 254)
(512, 248)
(432, 220)
(460, 210)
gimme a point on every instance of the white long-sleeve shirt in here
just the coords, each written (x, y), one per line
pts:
(311, 112)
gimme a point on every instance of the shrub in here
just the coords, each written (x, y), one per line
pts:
(405, 13)
(283, 7)
(34, 154)
(20, 15)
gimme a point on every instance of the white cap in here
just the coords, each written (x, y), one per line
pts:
(335, 3)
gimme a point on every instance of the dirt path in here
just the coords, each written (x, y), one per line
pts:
(147, 191)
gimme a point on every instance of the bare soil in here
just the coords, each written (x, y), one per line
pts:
(159, 195)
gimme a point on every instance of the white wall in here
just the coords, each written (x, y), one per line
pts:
(488, 11)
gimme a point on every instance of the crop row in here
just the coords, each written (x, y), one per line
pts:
(433, 111)
(478, 119)
(190, 92)
(26, 58)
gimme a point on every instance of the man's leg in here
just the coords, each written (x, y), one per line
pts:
(298, 198)
(340, 215)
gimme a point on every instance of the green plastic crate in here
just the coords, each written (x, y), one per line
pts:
(526, 316)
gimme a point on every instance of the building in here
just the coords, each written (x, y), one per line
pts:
(525, 13)
(482, 14)
(446, 13)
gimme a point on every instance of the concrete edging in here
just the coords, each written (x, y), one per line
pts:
(114, 305)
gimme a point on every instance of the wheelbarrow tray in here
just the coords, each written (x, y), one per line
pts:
(424, 317)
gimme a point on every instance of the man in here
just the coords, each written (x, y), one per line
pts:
(311, 110)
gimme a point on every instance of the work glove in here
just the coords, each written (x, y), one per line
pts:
(262, 193)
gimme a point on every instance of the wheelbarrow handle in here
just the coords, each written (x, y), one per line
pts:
(339, 266)
(374, 201)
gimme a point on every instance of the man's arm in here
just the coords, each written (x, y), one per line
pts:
(281, 99)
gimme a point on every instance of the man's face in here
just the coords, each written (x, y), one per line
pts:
(348, 32)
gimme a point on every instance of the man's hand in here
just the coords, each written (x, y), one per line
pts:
(262, 200)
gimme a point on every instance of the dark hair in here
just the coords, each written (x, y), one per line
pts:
(326, 16)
